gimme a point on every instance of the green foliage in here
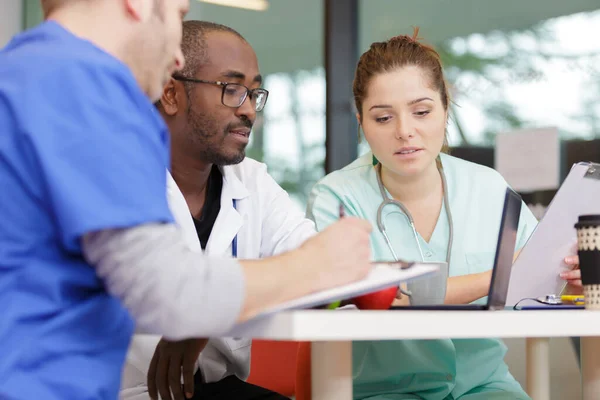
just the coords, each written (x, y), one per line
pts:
(512, 58)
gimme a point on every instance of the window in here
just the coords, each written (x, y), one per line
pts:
(510, 64)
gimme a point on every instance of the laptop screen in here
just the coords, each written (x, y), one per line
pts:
(507, 240)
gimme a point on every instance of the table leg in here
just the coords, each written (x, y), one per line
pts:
(331, 370)
(590, 367)
(538, 368)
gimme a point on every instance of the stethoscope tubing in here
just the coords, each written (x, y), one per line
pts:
(389, 201)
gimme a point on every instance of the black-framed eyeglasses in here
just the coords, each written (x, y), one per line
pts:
(234, 94)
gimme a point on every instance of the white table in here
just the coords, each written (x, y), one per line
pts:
(332, 332)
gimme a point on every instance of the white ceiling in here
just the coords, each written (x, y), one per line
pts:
(289, 35)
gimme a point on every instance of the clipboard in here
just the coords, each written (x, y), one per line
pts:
(536, 271)
(383, 275)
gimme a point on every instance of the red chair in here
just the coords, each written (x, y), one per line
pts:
(273, 365)
(303, 376)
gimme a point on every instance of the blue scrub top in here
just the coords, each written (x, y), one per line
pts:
(433, 369)
(82, 149)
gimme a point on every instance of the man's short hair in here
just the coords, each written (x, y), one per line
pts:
(193, 43)
(193, 47)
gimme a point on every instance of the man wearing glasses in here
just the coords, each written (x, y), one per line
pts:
(226, 203)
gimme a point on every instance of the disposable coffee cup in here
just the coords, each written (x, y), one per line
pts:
(588, 243)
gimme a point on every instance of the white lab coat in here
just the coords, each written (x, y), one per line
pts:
(266, 223)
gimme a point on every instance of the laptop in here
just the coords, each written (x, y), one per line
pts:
(505, 249)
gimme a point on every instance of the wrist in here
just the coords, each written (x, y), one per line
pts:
(305, 268)
(293, 271)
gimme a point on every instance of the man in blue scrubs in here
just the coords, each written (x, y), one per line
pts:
(87, 240)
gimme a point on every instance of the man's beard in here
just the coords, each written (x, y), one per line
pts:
(210, 142)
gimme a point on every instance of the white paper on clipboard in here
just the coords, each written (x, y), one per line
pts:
(382, 275)
(536, 271)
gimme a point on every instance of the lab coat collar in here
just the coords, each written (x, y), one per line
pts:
(230, 220)
(232, 184)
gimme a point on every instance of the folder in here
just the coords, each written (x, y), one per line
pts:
(381, 276)
(536, 271)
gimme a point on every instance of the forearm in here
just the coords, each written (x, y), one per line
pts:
(467, 288)
(168, 288)
(173, 291)
(277, 279)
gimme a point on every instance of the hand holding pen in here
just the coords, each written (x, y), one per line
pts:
(340, 253)
(338, 303)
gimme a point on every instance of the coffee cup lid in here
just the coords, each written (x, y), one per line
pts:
(587, 220)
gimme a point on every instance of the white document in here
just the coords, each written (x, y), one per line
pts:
(381, 276)
(536, 271)
(529, 159)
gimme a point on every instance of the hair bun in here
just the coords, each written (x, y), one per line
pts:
(405, 38)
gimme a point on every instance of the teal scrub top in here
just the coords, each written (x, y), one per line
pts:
(432, 369)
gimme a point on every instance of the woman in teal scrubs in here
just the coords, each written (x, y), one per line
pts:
(402, 101)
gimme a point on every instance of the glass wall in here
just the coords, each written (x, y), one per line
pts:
(547, 74)
(510, 64)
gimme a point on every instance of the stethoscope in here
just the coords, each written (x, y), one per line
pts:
(389, 201)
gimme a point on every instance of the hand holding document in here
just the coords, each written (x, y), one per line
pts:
(536, 272)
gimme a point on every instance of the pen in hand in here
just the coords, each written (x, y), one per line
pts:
(338, 303)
